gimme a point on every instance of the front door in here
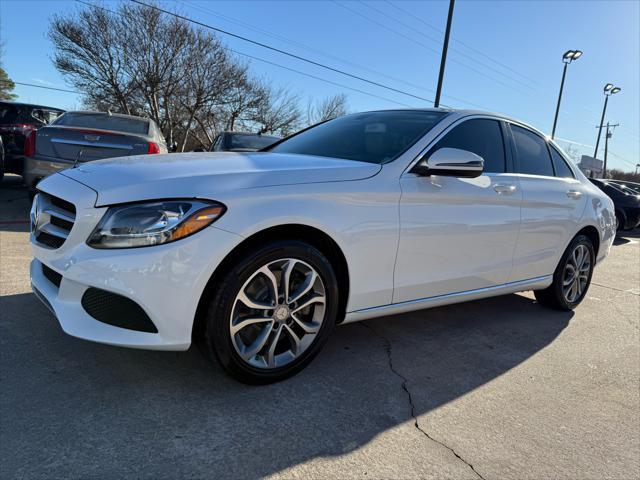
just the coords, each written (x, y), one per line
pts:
(459, 234)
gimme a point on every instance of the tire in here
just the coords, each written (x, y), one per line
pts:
(561, 295)
(264, 349)
(620, 221)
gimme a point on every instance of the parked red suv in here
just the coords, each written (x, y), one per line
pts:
(17, 121)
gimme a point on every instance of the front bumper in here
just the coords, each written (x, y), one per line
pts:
(166, 281)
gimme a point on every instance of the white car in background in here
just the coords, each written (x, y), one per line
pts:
(258, 255)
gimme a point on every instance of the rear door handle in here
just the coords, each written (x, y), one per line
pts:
(504, 189)
(575, 194)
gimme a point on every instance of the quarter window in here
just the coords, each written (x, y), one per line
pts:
(480, 136)
(562, 169)
(532, 152)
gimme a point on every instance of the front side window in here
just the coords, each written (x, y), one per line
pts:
(373, 137)
(532, 152)
(480, 136)
(560, 165)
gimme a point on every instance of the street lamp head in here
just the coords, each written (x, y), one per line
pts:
(615, 90)
(608, 87)
(571, 55)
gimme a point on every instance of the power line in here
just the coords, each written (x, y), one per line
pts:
(303, 45)
(422, 34)
(411, 39)
(466, 45)
(48, 88)
(280, 66)
(283, 52)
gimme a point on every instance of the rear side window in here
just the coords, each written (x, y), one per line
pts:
(560, 165)
(105, 122)
(480, 136)
(532, 153)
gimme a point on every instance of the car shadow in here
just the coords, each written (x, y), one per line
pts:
(75, 408)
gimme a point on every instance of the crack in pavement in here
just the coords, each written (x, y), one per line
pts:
(387, 344)
(616, 289)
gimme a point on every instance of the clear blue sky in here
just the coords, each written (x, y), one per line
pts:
(513, 66)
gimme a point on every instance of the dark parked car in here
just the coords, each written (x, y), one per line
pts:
(78, 137)
(626, 185)
(1, 159)
(242, 142)
(17, 121)
(626, 202)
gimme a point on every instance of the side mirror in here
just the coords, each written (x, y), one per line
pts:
(172, 147)
(451, 162)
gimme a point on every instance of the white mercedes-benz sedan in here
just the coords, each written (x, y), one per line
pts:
(257, 256)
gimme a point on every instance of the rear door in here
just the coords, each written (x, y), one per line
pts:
(458, 234)
(553, 202)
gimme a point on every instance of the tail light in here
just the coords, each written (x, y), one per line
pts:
(30, 144)
(153, 148)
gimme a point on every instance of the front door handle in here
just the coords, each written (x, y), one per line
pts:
(504, 189)
(574, 194)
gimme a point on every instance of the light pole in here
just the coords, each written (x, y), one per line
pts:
(443, 59)
(609, 90)
(568, 57)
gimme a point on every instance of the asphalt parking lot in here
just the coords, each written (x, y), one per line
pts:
(498, 388)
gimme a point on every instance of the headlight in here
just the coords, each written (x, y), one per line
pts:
(153, 223)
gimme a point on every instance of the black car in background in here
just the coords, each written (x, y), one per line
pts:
(625, 200)
(17, 121)
(242, 142)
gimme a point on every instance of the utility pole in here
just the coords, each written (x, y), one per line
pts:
(607, 136)
(443, 60)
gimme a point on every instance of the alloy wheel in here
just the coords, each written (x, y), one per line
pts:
(277, 313)
(576, 273)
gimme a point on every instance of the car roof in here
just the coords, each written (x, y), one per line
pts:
(461, 113)
(229, 132)
(21, 104)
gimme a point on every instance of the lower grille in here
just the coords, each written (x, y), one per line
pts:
(51, 275)
(116, 310)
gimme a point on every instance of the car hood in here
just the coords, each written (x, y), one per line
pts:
(203, 174)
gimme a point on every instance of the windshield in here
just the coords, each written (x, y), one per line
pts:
(373, 137)
(104, 122)
(251, 141)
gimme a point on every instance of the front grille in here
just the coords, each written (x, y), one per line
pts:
(51, 275)
(116, 310)
(53, 220)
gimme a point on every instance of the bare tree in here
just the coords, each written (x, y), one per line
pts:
(331, 107)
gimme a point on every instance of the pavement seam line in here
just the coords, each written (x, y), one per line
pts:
(405, 381)
(616, 289)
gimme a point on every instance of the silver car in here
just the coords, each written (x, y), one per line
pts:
(78, 137)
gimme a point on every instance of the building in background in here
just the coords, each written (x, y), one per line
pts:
(591, 167)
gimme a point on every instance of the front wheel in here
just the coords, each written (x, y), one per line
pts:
(572, 277)
(273, 312)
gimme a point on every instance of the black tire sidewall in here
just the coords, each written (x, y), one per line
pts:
(217, 338)
(559, 273)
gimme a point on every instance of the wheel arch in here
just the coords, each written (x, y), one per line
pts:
(311, 235)
(592, 234)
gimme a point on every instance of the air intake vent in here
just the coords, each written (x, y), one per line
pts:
(51, 275)
(52, 220)
(116, 310)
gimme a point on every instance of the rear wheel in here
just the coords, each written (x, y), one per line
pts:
(272, 313)
(572, 277)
